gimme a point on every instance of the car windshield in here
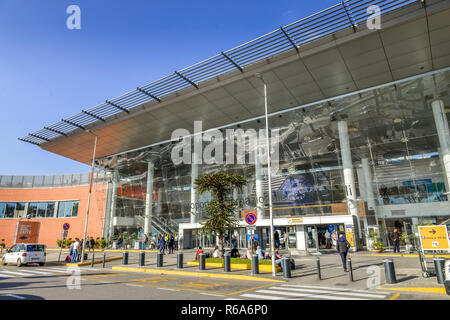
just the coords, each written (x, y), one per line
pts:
(35, 247)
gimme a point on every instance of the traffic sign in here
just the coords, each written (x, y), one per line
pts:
(66, 226)
(434, 238)
(250, 218)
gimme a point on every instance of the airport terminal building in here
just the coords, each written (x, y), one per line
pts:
(359, 112)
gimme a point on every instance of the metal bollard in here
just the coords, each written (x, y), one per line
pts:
(286, 262)
(389, 271)
(227, 263)
(255, 264)
(319, 276)
(141, 259)
(439, 265)
(350, 269)
(202, 259)
(159, 260)
(104, 259)
(125, 258)
(180, 260)
(93, 259)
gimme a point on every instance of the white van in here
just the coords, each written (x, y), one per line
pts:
(25, 253)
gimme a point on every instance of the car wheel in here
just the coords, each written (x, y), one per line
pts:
(4, 262)
(19, 262)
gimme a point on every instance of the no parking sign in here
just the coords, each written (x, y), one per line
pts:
(250, 218)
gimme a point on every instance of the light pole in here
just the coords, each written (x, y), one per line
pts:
(91, 180)
(272, 244)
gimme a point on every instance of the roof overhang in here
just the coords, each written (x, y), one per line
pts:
(414, 39)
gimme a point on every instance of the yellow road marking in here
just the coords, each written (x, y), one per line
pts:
(395, 296)
(417, 289)
(154, 279)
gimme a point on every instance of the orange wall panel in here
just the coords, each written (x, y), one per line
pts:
(51, 228)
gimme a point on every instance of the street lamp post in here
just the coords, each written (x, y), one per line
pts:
(91, 180)
(272, 244)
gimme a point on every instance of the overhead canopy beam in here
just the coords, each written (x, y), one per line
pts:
(234, 63)
(118, 107)
(55, 131)
(39, 137)
(73, 124)
(289, 38)
(29, 141)
(149, 94)
(186, 79)
(93, 116)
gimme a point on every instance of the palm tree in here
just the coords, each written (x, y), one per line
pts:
(219, 212)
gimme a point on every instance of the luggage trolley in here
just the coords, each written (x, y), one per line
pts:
(427, 270)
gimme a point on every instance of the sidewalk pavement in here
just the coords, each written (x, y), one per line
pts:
(367, 268)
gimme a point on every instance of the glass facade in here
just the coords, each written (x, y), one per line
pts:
(395, 157)
(37, 209)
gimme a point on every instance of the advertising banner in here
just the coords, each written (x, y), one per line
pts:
(27, 232)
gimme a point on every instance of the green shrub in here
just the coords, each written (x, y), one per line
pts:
(378, 245)
(236, 261)
(59, 243)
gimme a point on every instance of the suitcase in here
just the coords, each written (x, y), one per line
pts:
(85, 256)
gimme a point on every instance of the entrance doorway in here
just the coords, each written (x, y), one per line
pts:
(323, 236)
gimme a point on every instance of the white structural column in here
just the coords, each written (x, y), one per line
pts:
(113, 204)
(149, 198)
(368, 184)
(194, 193)
(347, 167)
(444, 135)
(259, 186)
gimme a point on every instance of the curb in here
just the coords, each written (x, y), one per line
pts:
(438, 290)
(84, 263)
(406, 255)
(108, 250)
(196, 274)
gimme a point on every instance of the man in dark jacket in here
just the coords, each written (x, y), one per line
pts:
(396, 240)
(342, 247)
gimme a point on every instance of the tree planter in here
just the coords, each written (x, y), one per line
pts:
(377, 251)
(240, 266)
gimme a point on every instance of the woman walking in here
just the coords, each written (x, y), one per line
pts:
(342, 248)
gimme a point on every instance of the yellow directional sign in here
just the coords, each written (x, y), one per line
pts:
(349, 235)
(434, 237)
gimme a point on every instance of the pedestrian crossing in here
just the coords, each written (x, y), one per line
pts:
(305, 292)
(39, 272)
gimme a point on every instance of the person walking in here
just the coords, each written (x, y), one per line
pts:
(396, 240)
(119, 242)
(342, 247)
(75, 250)
(91, 244)
(171, 244)
(162, 245)
(328, 239)
(276, 239)
(153, 243)
(145, 241)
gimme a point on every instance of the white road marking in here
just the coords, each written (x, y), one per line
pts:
(133, 285)
(168, 289)
(5, 276)
(307, 295)
(262, 297)
(39, 272)
(13, 296)
(52, 271)
(212, 294)
(19, 273)
(328, 288)
(346, 293)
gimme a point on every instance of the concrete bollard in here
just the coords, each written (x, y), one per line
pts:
(319, 275)
(350, 269)
(389, 271)
(125, 258)
(141, 259)
(286, 262)
(93, 259)
(439, 265)
(255, 264)
(202, 260)
(180, 260)
(159, 259)
(104, 259)
(227, 263)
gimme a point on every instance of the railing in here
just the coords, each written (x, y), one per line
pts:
(340, 16)
(52, 181)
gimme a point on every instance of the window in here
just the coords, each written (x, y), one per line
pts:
(35, 247)
(20, 210)
(68, 209)
(50, 209)
(2, 209)
(32, 209)
(41, 208)
(10, 207)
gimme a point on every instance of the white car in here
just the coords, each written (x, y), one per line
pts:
(25, 253)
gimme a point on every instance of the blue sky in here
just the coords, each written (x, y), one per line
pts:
(48, 72)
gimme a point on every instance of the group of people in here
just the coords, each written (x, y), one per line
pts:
(76, 249)
(165, 242)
